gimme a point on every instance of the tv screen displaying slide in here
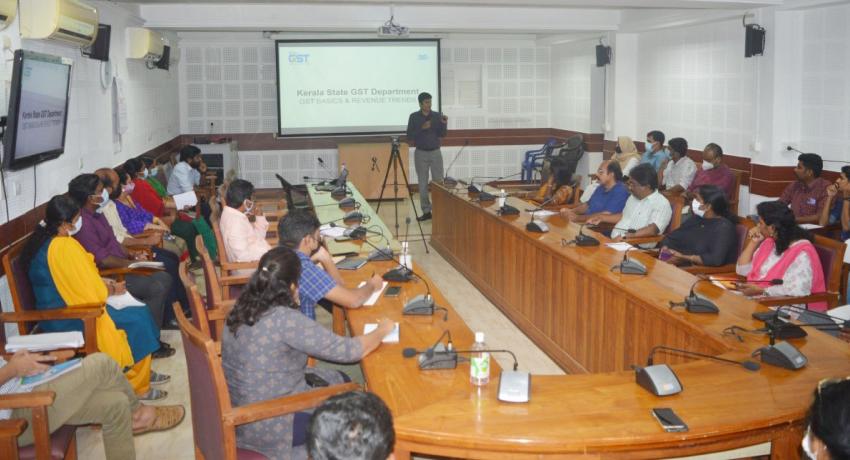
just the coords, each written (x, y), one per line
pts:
(38, 109)
(338, 87)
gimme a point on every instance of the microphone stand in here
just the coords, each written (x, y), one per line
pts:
(694, 303)
(746, 364)
(448, 180)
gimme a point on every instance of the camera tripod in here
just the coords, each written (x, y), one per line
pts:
(395, 163)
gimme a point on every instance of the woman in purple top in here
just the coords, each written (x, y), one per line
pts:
(135, 218)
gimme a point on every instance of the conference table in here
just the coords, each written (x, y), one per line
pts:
(595, 324)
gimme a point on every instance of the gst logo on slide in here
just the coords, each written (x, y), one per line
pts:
(298, 58)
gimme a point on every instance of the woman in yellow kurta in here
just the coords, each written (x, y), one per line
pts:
(63, 275)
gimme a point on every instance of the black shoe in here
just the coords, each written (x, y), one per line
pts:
(163, 353)
(424, 217)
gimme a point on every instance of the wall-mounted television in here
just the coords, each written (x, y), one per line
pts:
(38, 109)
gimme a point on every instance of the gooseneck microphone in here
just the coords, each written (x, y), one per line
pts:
(694, 303)
(538, 226)
(746, 364)
(448, 180)
(584, 240)
(629, 266)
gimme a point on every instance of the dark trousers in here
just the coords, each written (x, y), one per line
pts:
(154, 290)
(177, 293)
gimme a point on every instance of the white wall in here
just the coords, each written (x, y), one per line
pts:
(228, 80)
(572, 65)
(151, 104)
(695, 83)
(825, 101)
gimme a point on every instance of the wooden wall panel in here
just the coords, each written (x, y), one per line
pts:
(583, 321)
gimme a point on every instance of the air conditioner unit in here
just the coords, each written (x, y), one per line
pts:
(8, 8)
(68, 21)
(144, 44)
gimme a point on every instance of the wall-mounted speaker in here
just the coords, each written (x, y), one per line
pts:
(754, 40)
(603, 55)
(166, 58)
(100, 48)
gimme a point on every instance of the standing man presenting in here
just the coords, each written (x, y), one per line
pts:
(424, 130)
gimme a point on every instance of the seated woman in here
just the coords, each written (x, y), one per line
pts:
(147, 198)
(150, 174)
(95, 393)
(708, 237)
(63, 275)
(558, 187)
(265, 347)
(779, 249)
(828, 435)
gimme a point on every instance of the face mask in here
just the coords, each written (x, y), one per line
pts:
(128, 189)
(249, 206)
(649, 147)
(706, 166)
(145, 173)
(807, 444)
(78, 224)
(104, 196)
(695, 208)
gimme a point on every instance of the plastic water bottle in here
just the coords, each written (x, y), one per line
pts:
(479, 363)
(502, 197)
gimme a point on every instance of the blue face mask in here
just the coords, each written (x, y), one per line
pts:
(649, 146)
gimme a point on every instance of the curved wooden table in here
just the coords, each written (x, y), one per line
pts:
(595, 324)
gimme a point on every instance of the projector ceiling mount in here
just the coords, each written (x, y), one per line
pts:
(391, 28)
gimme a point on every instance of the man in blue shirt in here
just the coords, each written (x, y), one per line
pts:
(299, 230)
(609, 198)
(424, 130)
(187, 173)
(655, 153)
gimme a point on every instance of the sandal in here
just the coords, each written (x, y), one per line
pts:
(153, 395)
(167, 417)
(159, 379)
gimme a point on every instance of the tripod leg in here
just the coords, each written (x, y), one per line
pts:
(384, 184)
(413, 205)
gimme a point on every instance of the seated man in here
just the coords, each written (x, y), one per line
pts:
(712, 172)
(187, 174)
(647, 212)
(299, 230)
(157, 289)
(95, 393)
(679, 172)
(836, 210)
(243, 241)
(353, 425)
(807, 195)
(655, 153)
(609, 197)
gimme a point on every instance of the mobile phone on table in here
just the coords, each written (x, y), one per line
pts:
(669, 420)
(392, 291)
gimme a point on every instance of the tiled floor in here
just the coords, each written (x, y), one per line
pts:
(478, 313)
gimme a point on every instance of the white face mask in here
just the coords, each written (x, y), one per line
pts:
(706, 166)
(78, 224)
(104, 200)
(695, 207)
(145, 173)
(807, 444)
(249, 206)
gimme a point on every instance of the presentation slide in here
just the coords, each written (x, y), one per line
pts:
(354, 87)
(41, 112)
